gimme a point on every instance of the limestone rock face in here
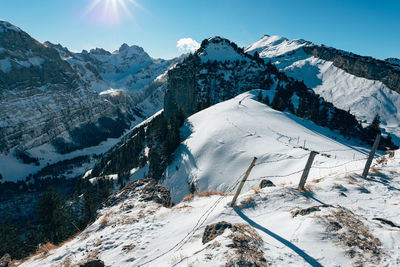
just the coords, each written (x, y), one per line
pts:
(41, 96)
(50, 95)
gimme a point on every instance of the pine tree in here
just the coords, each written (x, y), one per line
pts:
(10, 240)
(302, 108)
(266, 100)
(54, 216)
(259, 96)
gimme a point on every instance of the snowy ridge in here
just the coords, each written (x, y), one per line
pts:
(214, 151)
(292, 227)
(275, 46)
(344, 90)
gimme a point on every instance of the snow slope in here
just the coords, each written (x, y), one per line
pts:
(220, 142)
(275, 46)
(364, 98)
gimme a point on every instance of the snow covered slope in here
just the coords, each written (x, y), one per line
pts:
(220, 142)
(363, 97)
(275, 46)
(341, 220)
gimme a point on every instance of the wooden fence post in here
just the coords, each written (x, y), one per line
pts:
(371, 155)
(253, 162)
(307, 169)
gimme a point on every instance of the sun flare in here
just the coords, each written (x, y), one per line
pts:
(111, 11)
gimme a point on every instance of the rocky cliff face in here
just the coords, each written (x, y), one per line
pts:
(42, 96)
(360, 66)
(218, 71)
(54, 101)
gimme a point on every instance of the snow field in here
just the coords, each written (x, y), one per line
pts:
(220, 142)
(172, 236)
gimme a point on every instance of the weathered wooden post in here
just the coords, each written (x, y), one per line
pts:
(307, 169)
(371, 155)
(253, 162)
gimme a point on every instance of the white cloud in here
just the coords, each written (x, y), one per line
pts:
(186, 45)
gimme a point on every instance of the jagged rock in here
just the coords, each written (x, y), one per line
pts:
(5, 260)
(93, 263)
(214, 230)
(148, 189)
(266, 183)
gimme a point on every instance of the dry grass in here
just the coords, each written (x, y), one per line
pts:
(184, 206)
(248, 202)
(105, 220)
(176, 258)
(373, 169)
(97, 242)
(339, 187)
(350, 233)
(202, 194)
(44, 250)
(66, 262)
(256, 189)
(316, 181)
(308, 188)
(248, 247)
(351, 179)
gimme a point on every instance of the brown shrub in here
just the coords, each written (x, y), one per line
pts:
(202, 194)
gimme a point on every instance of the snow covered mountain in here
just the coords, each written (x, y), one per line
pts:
(363, 85)
(54, 102)
(341, 219)
(222, 108)
(215, 151)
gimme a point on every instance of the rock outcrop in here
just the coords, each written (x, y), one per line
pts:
(218, 71)
(148, 189)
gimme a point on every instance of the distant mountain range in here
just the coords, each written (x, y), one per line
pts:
(54, 102)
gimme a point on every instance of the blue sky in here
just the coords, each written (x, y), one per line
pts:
(367, 27)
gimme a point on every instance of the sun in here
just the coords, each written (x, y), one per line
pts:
(111, 11)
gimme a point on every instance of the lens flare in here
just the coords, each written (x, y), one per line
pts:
(110, 11)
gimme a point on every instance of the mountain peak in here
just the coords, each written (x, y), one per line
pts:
(220, 49)
(123, 47)
(7, 26)
(99, 51)
(274, 45)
